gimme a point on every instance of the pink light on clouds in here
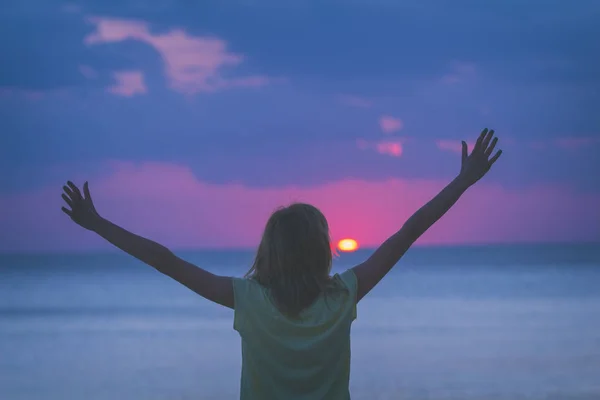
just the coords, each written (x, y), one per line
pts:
(454, 146)
(390, 124)
(167, 203)
(193, 64)
(128, 84)
(393, 149)
(386, 147)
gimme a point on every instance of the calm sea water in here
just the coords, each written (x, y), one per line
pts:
(507, 322)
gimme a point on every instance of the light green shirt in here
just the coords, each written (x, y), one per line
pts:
(303, 358)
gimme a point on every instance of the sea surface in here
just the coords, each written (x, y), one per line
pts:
(489, 323)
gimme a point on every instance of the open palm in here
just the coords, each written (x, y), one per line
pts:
(80, 208)
(478, 163)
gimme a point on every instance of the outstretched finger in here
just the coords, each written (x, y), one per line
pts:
(486, 140)
(496, 156)
(465, 151)
(67, 200)
(68, 212)
(69, 192)
(490, 149)
(479, 140)
(86, 191)
(75, 189)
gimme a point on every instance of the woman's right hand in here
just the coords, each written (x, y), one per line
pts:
(81, 209)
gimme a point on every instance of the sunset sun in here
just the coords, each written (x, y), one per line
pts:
(347, 245)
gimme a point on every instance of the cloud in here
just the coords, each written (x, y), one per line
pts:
(454, 146)
(167, 203)
(128, 84)
(391, 148)
(355, 101)
(192, 64)
(390, 124)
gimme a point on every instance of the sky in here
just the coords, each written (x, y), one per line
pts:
(193, 121)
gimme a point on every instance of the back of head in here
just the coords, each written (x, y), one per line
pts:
(294, 257)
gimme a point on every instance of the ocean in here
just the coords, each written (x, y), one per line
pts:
(486, 323)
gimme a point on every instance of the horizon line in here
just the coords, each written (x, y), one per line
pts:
(252, 249)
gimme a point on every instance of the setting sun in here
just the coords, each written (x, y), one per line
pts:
(347, 245)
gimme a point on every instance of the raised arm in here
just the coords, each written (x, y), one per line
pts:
(82, 211)
(474, 167)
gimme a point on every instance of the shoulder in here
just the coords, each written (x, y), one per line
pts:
(246, 287)
(347, 279)
(348, 283)
(251, 303)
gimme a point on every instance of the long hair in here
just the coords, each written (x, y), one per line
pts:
(294, 257)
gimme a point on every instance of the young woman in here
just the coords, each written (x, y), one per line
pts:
(293, 317)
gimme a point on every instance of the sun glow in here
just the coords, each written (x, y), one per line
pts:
(348, 245)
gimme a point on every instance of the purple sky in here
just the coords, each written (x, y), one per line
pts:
(192, 122)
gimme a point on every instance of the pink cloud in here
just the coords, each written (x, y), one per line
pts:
(355, 101)
(193, 64)
(390, 124)
(393, 149)
(167, 203)
(128, 84)
(454, 146)
(386, 147)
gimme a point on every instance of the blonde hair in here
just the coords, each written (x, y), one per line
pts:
(294, 257)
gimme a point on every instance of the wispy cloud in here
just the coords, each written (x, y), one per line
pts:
(392, 148)
(355, 101)
(128, 84)
(390, 124)
(454, 146)
(193, 64)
